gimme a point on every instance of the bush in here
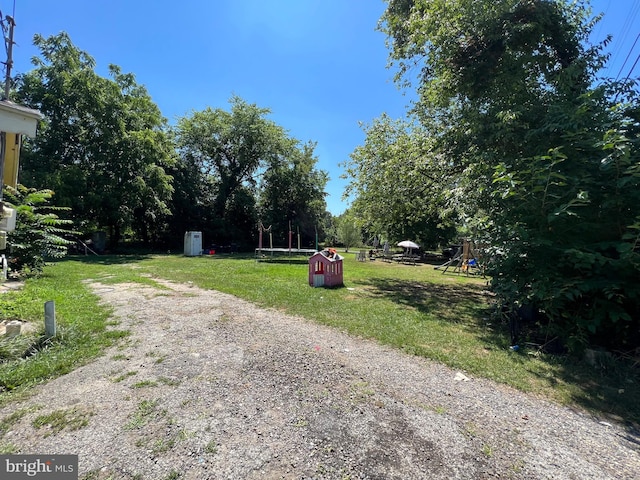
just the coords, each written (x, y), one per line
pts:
(568, 232)
(39, 233)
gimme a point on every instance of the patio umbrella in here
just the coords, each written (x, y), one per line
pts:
(408, 244)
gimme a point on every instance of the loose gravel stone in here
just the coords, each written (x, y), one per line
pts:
(209, 386)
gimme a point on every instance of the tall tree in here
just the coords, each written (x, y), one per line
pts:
(292, 194)
(489, 73)
(227, 149)
(505, 92)
(398, 184)
(103, 146)
(348, 231)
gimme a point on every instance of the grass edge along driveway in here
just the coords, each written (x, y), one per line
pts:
(446, 318)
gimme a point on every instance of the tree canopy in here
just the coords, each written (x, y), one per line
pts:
(293, 194)
(511, 133)
(396, 180)
(103, 146)
(247, 169)
(109, 155)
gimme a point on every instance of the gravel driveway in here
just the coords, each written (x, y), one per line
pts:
(211, 387)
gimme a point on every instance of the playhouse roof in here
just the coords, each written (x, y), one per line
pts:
(325, 254)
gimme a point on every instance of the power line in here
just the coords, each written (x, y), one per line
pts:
(628, 55)
(634, 66)
(619, 40)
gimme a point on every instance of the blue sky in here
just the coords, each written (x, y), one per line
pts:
(319, 65)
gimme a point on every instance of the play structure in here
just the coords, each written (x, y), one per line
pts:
(260, 251)
(467, 259)
(325, 269)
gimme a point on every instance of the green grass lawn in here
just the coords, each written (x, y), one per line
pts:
(413, 308)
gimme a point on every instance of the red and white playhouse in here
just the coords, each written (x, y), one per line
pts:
(325, 269)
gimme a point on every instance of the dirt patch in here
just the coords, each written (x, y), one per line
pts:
(209, 386)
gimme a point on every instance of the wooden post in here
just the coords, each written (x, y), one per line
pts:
(50, 319)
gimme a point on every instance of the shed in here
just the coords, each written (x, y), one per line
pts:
(192, 244)
(325, 269)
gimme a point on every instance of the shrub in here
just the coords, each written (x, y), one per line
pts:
(39, 233)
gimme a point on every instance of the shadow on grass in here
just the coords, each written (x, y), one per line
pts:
(453, 303)
(609, 389)
(465, 305)
(105, 259)
(285, 260)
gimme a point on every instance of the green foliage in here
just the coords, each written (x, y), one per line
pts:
(399, 184)
(349, 234)
(39, 234)
(489, 52)
(238, 167)
(292, 190)
(106, 150)
(226, 149)
(567, 222)
(492, 74)
(544, 161)
(102, 146)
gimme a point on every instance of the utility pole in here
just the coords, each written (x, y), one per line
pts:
(9, 62)
(7, 87)
(15, 120)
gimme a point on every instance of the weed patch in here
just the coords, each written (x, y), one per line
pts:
(146, 411)
(65, 419)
